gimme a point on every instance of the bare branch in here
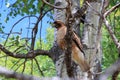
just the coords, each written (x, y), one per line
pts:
(15, 25)
(31, 72)
(111, 70)
(53, 5)
(35, 29)
(109, 28)
(114, 38)
(24, 65)
(29, 55)
(20, 65)
(39, 67)
(111, 10)
(11, 74)
(15, 63)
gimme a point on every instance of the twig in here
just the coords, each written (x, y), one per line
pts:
(114, 38)
(15, 25)
(11, 33)
(24, 64)
(111, 10)
(32, 67)
(19, 66)
(109, 28)
(16, 63)
(17, 49)
(35, 29)
(53, 5)
(39, 67)
(41, 35)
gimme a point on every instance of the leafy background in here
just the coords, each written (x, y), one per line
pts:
(13, 10)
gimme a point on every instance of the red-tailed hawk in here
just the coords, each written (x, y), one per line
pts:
(78, 55)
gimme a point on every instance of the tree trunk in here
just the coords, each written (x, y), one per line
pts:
(59, 61)
(61, 15)
(91, 38)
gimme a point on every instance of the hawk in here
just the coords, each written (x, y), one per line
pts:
(77, 55)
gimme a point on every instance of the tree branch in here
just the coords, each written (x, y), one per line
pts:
(114, 38)
(11, 74)
(111, 10)
(35, 29)
(68, 39)
(29, 55)
(44, 1)
(15, 25)
(111, 70)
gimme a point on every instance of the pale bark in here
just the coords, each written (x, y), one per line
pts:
(11, 74)
(110, 71)
(92, 36)
(60, 63)
(61, 15)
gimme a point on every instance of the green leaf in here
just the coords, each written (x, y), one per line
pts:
(6, 19)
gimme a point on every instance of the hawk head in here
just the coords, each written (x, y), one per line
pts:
(58, 24)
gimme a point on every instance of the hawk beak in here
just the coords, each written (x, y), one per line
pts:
(53, 24)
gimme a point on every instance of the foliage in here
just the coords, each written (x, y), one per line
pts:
(26, 7)
(110, 53)
(48, 42)
(32, 7)
(45, 63)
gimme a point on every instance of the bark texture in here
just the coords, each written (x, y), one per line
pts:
(92, 36)
(61, 15)
(59, 62)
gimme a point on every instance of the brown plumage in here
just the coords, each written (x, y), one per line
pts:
(77, 51)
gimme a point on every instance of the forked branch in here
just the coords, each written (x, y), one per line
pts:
(29, 55)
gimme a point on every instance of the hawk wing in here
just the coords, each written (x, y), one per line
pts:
(77, 41)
